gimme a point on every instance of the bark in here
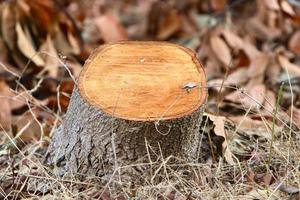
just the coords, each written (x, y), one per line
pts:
(91, 142)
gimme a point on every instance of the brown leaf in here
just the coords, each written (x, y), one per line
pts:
(51, 61)
(294, 43)
(258, 65)
(43, 12)
(219, 130)
(287, 8)
(272, 4)
(8, 22)
(31, 129)
(269, 104)
(233, 40)
(250, 50)
(246, 123)
(169, 25)
(220, 49)
(238, 77)
(273, 71)
(61, 43)
(261, 31)
(296, 115)
(74, 43)
(110, 28)
(26, 47)
(3, 51)
(291, 68)
(252, 97)
(5, 108)
(218, 5)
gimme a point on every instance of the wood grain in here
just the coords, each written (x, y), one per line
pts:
(143, 81)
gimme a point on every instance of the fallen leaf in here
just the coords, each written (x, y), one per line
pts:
(252, 97)
(110, 28)
(219, 130)
(289, 67)
(246, 123)
(269, 104)
(221, 50)
(250, 50)
(61, 44)
(258, 65)
(28, 128)
(295, 112)
(218, 5)
(52, 60)
(75, 68)
(272, 4)
(287, 8)
(238, 77)
(44, 13)
(273, 71)
(256, 27)
(8, 22)
(233, 40)
(294, 43)
(74, 43)
(5, 108)
(169, 25)
(3, 51)
(26, 47)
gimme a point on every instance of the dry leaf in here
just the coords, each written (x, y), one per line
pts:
(233, 40)
(289, 67)
(8, 22)
(246, 123)
(61, 43)
(287, 8)
(74, 43)
(218, 5)
(258, 65)
(250, 50)
(269, 104)
(110, 28)
(273, 71)
(5, 108)
(52, 60)
(31, 129)
(26, 47)
(296, 115)
(272, 4)
(75, 68)
(261, 31)
(238, 77)
(169, 25)
(294, 43)
(253, 97)
(221, 50)
(219, 130)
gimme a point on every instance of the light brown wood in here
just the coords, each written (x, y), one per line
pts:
(143, 81)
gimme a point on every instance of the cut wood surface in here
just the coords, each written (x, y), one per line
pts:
(124, 90)
(143, 81)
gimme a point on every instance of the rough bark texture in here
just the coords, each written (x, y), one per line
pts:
(91, 142)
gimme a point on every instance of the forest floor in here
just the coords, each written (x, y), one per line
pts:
(250, 51)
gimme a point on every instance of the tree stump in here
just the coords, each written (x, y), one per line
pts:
(135, 102)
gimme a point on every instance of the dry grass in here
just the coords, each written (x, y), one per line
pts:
(264, 169)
